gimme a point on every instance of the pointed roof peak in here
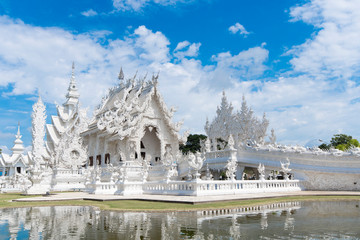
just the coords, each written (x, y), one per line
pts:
(18, 136)
(72, 95)
(18, 147)
(121, 74)
(39, 97)
(72, 72)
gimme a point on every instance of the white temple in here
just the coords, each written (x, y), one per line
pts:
(64, 143)
(13, 167)
(131, 146)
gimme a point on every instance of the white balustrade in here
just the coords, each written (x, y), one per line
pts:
(219, 154)
(216, 187)
(68, 171)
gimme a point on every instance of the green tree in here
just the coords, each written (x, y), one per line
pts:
(192, 144)
(342, 142)
(339, 139)
(325, 146)
(350, 144)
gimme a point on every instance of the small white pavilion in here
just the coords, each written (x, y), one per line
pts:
(17, 162)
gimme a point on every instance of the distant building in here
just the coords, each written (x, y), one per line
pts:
(17, 162)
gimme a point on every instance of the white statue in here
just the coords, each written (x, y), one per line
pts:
(196, 162)
(261, 170)
(208, 175)
(231, 167)
(231, 142)
(272, 137)
(285, 168)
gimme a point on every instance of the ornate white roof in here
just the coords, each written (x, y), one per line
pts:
(7, 160)
(18, 147)
(242, 125)
(126, 105)
(63, 133)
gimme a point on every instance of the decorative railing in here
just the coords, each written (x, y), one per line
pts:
(123, 188)
(219, 154)
(195, 187)
(68, 171)
(203, 188)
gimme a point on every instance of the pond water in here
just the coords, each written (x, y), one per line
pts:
(295, 220)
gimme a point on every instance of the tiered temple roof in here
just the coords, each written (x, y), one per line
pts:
(69, 117)
(125, 106)
(17, 155)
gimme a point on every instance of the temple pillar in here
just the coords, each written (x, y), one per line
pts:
(96, 151)
(105, 149)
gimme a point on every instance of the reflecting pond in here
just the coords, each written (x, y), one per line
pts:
(295, 220)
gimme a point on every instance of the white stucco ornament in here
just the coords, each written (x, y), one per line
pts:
(75, 154)
(285, 168)
(261, 170)
(195, 161)
(245, 128)
(38, 132)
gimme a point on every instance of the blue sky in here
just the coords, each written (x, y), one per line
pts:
(298, 61)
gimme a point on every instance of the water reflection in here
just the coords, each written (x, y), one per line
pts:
(293, 220)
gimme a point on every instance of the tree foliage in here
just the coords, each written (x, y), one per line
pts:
(342, 142)
(325, 146)
(192, 144)
(339, 139)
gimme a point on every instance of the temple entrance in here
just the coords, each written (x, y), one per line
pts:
(150, 146)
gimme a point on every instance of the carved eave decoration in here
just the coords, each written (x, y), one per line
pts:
(125, 107)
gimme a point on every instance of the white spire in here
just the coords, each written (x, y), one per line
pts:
(18, 147)
(38, 129)
(72, 95)
(121, 75)
(18, 136)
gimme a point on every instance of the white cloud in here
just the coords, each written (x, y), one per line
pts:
(89, 13)
(185, 49)
(247, 65)
(27, 149)
(26, 49)
(151, 46)
(333, 51)
(182, 45)
(237, 27)
(300, 107)
(5, 149)
(138, 5)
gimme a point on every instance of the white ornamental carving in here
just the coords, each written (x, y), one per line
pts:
(285, 168)
(196, 162)
(244, 126)
(122, 117)
(261, 170)
(70, 152)
(38, 131)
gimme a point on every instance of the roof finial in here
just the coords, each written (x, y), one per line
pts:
(155, 79)
(73, 72)
(72, 95)
(121, 74)
(18, 131)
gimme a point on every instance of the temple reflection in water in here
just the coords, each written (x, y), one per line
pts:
(291, 219)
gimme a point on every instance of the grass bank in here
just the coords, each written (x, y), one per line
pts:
(135, 205)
